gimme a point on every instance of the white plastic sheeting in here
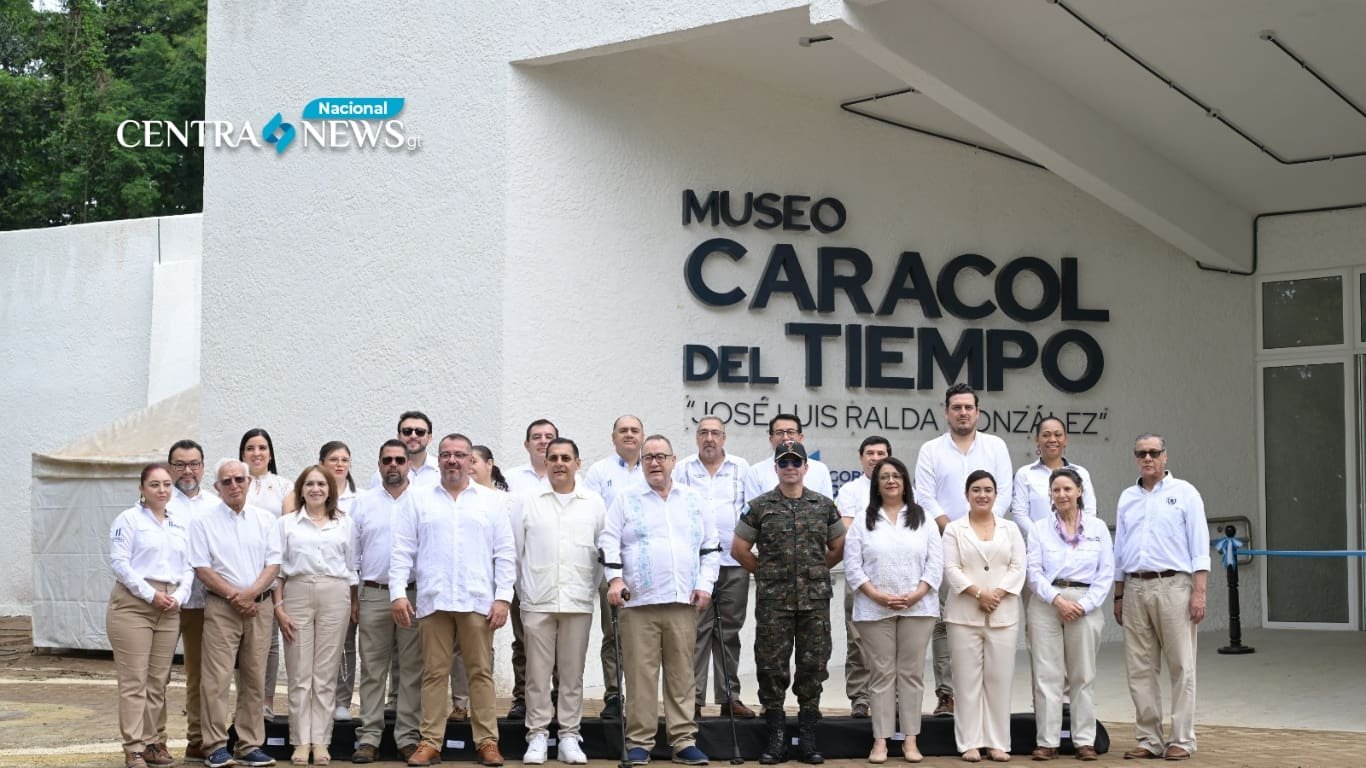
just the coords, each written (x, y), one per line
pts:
(78, 490)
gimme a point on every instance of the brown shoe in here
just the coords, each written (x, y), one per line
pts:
(489, 754)
(1087, 752)
(407, 751)
(1044, 753)
(425, 754)
(365, 753)
(458, 715)
(195, 751)
(945, 706)
(1176, 753)
(158, 755)
(1139, 753)
(741, 711)
(134, 760)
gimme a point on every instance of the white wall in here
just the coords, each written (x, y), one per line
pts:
(75, 340)
(1312, 241)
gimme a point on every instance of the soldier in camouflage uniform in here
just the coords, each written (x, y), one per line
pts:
(799, 536)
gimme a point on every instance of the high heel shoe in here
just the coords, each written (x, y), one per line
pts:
(320, 755)
(879, 753)
(972, 756)
(998, 756)
(300, 756)
(910, 751)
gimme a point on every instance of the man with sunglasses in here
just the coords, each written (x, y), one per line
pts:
(415, 432)
(762, 477)
(1161, 565)
(799, 537)
(382, 641)
(235, 551)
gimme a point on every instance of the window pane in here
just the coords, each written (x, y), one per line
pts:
(1302, 313)
(1306, 491)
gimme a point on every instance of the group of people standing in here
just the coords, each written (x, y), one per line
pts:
(415, 573)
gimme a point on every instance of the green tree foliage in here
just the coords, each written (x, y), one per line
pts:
(68, 78)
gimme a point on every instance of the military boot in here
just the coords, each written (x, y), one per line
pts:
(775, 751)
(806, 736)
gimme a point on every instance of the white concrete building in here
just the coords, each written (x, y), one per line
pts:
(525, 252)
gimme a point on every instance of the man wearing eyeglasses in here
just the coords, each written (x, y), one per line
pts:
(799, 537)
(382, 641)
(941, 471)
(608, 478)
(762, 477)
(720, 478)
(456, 542)
(659, 541)
(235, 551)
(188, 501)
(1161, 566)
(415, 432)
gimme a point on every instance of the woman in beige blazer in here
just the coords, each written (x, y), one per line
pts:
(984, 566)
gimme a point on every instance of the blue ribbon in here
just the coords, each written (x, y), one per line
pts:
(1231, 548)
(1228, 547)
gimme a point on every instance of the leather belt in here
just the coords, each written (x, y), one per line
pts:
(1065, 583)
(377, 585)
(1145, 575)
(264, 596)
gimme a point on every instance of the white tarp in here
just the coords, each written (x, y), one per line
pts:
(78, 490)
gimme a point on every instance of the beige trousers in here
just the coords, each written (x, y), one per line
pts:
(381, 642)
(143, 639)
(1157, 626)
(192, 641)
(233, 639)
(320, 607)
(606, 652)
(896, 685)
(983, 660)
(439, 633)
(1063, 657)
(555, 641)
(651, 636)
(857, 677)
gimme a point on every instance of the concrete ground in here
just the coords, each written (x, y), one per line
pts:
(1298, 701)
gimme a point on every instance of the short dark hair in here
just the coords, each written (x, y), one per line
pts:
(402, 417)
(541, 423)
(563, 441)
(980, 474)
(456, 436)
(1050, 417)
(185, 445)
(270, 446)
(657, 436)
(332, 446)
(392, 442)
(784, 417)
(961, 388)
(874, 440)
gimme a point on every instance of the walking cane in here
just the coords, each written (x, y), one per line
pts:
(725, 673)
(616, 652)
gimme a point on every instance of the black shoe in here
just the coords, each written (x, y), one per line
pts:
(775, 751)
(860, 710)
(806, 737)
(611, 708)
(517, 711)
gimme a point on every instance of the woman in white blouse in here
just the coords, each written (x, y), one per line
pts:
(335, 456)
(1032, 499)
(268, 491)
(149, 554)
(1071, 569)
(984, 563)
(893, 561)
(312, 607)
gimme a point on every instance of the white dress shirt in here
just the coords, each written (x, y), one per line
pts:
(1088, 560)
(723, 492)
(269, 492)
(895, 558)
(346, 498)
(311, 550)
(425, 476)
(459, 550)
(763, 477)
(141, 548)
(660, 543)
(372, 525)
(1162, 529)
(557, 549)
(187, 508)
(853, 498)
(941, 472)
(524, 479)
(235, 545)
(1032, 499)
(611, 476)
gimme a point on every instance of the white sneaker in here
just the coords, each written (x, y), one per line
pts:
(342, 713)
(535, 750)
(570, 752)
